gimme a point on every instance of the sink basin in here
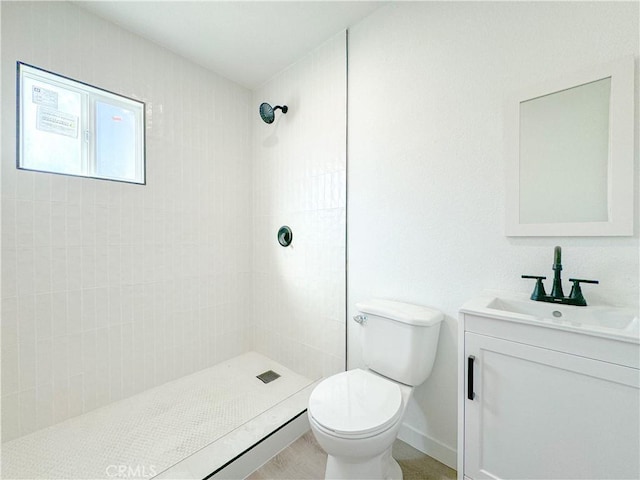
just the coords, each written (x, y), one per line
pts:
(599, 320)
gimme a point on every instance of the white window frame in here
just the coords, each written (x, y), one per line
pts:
(87, 122)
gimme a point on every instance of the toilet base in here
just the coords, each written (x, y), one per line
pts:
(395, 472)
(380, 467)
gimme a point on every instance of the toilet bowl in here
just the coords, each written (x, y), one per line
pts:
(355, 415)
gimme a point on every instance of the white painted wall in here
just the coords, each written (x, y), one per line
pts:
(299, 180)
(427, 82)
(111, 288)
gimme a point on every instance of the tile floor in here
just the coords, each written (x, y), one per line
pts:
(151, 431)
(305, 460)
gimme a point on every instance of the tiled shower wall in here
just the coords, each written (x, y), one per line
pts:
(299, 166)
(110, 288)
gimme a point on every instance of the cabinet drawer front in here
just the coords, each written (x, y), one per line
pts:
(538, 413)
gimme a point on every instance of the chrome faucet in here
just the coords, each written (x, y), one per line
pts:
(557, 295)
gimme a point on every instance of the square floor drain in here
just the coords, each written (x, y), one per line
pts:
(268, 376)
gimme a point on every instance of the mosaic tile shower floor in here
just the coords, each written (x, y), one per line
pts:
(145, 434)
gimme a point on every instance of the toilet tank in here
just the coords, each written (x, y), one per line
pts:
(399, 339)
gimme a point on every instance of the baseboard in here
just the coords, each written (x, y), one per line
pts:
(420, 441)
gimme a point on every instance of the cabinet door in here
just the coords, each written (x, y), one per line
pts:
(542, 414)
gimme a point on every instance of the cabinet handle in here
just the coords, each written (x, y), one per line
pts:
(470, 394)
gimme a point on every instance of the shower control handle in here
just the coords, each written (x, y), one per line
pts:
(360, 319)
(285, 236)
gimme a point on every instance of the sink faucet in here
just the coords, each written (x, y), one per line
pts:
(557, 295)
(556, 290)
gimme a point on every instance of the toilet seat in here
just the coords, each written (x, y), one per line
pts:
(356, 404)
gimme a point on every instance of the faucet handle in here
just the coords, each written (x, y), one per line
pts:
(576, 291)
(538, 290)
(580, 280)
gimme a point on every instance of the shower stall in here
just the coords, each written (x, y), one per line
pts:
(140, 322)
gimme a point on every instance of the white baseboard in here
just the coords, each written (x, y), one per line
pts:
(420, 441)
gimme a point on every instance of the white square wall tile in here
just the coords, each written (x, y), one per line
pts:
(27, 366)
(58, 188)
(60, 405)
(9, 272)
(43, 315)
(88, 267)
(44, 405)
(44, 362)
(25, 272)
(9, 318)
(316, 264)
(60, 358)
(74, 269)
(42, 269)
(26, 319)
(59, 224)
(89, 394)
(59, 313)
(93, 252)
(8, 179)
(75, 355)
(28, 420)
(10, 367)
(59, 270)
(74, 311)
(10, 417)
(74, 191)
(75, 395)
(25, 185)
(42, 223)
(88, 310)
(24, 223)
(73, 224)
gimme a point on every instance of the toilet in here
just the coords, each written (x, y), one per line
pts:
(355, 415)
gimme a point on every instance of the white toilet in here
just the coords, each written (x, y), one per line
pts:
(355, 415)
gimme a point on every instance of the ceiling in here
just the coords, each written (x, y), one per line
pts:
(247, 42)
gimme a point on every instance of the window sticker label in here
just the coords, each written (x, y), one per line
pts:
(54, 121)
(42, 96)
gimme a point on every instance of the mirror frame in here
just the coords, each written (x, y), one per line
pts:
(621, 153)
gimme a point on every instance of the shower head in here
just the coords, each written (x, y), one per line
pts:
(267, 112)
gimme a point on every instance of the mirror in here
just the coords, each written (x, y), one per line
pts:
(570, 155)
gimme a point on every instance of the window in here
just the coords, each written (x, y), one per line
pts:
(68, 127)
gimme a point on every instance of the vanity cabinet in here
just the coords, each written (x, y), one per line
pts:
(537, 407)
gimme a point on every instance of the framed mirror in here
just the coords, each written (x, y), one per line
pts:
(570, 155)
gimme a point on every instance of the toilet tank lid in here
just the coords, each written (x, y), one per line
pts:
(401, 312)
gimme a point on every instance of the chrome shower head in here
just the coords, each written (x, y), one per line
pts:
(267, 112)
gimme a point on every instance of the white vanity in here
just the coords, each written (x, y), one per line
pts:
(547, 391)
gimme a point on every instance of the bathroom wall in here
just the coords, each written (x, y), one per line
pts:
(110, 288)
(427, 84)
(299, 180)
